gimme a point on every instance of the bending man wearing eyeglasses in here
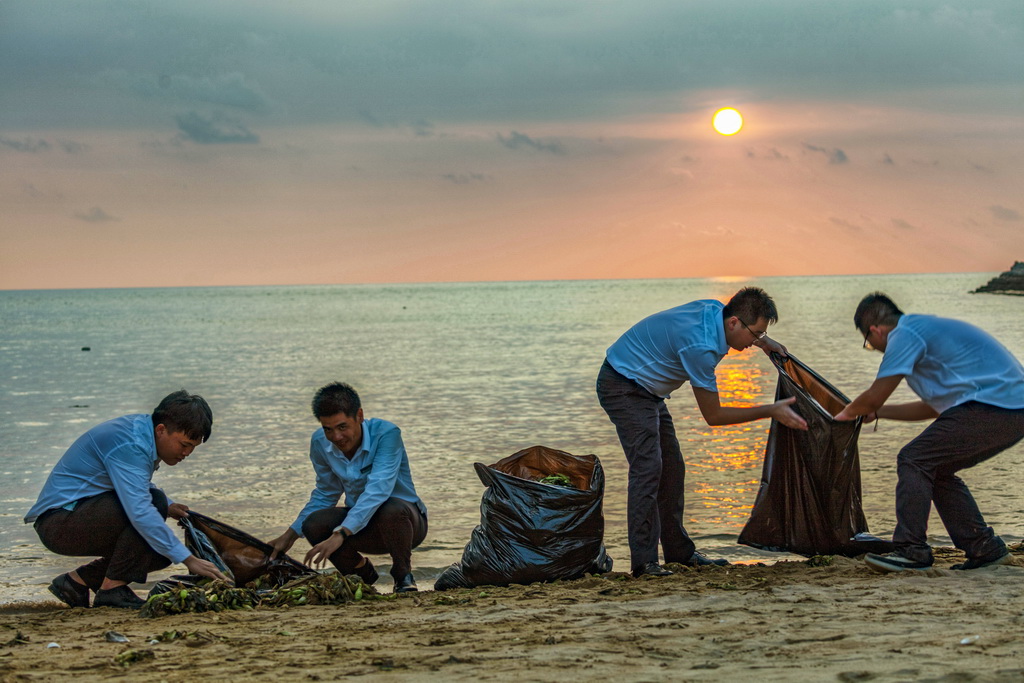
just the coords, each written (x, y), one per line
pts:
(973, 387)
(647, 363)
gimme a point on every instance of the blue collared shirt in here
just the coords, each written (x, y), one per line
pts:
(379, 470)
(948, 362)
(120, 456)
(664, 350)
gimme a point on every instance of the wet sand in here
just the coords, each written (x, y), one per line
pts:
(788, 621)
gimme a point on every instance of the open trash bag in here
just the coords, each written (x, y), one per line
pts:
(809, 502)
(243, 557)
(532, 531)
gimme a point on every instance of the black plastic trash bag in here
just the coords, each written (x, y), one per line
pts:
(809, 502)
(531, 531)
(234, 552)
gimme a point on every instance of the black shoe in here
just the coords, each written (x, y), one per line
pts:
(699, 559)
(650, 569)
(406, 584)
(121, 597)
(894, 562)
(1001, 556)
(69, 591)
(367, 573)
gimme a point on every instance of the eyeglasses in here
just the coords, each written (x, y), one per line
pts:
(757, 335)
(867, 345)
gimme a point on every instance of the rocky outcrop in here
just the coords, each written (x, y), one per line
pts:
(1010, 282)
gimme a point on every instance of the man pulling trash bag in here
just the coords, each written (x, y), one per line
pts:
(531, 530)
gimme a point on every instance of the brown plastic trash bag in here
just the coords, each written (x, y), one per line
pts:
(809, 502)
(246, 556)
(530, 531)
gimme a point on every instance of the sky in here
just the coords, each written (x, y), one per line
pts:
(221, 142)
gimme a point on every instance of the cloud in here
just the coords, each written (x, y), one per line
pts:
(466, 178)
(1004, 214)
(30, 145)
(96, 215)
(888, 160)
(843, 223)
(835, 156)
(516, 140)
(214, 130)
(902, 224)
(772, 154)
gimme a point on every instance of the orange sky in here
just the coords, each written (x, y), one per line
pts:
(862, 178)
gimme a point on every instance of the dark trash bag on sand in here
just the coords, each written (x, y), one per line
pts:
(809, 502)
(244, 557)
(530, 531)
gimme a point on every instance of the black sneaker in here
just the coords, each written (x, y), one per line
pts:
(699, 559)
(893, 562)
(69, 591)
(1002, 556)
(650, 569)
(406, 584)
(121, 597)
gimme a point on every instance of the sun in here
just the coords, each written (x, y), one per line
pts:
(727, 121)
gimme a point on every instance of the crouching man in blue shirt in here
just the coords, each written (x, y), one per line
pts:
(99, 500)
(366, 460)
(972, 388)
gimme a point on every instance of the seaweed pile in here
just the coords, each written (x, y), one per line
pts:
(217, 596)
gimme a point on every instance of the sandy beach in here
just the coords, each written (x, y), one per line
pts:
(824, 619)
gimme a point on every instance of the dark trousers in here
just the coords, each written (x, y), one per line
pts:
(99, 526)
(654, 498)
(960, 437)
(395, 529)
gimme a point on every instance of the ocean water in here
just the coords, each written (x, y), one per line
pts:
(470, 372)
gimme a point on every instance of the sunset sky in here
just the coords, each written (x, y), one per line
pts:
(218, 142)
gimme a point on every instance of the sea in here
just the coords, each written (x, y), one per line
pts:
(471, 372)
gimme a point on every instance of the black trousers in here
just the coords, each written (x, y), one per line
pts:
(395, 529)
(655, 495)
(99, 526)
(960, 437)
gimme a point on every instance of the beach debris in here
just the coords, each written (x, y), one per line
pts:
(18, 639)
(821, 560)
(115, 637)
(53, 645)
(970, 640)
(129, 657)
(316, 589)
(557, 480)
(319, 589)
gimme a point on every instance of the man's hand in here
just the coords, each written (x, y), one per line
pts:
(177, 510)
(283, 543)
(204, 568)
(319, 554)
(781, 411)
(768, 345)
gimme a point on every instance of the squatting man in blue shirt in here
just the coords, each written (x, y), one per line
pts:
(364, 459)
(641, 369)
(972, 388)
(99, 500)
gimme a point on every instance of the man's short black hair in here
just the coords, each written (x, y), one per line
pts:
(750, 304)
(876, 309)
(187, 413)
(336, 397)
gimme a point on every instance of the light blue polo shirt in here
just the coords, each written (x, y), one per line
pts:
(664, 350)
(948, 362)
(378, 471)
